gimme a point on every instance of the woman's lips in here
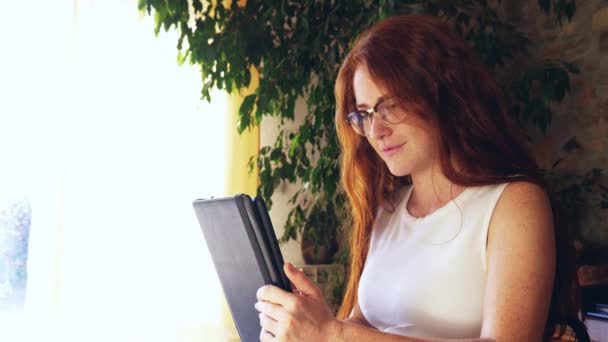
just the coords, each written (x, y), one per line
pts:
(391, 149)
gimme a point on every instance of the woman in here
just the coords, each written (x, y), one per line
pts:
(453, 234)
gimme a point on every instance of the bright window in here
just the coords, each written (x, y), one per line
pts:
(109, 141)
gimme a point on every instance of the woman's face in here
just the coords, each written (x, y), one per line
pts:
(407, 148)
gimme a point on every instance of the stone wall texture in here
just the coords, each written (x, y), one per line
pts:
(584, 112)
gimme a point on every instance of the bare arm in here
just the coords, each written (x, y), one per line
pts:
(521, 263)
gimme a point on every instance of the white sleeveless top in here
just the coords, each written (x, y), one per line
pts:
(426, 277)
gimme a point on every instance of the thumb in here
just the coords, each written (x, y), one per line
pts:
(304, 285)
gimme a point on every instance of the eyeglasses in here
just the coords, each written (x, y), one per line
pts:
(388, 110)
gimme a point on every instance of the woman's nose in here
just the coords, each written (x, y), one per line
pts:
(378, 128)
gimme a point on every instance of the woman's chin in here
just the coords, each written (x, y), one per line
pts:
(398, 170)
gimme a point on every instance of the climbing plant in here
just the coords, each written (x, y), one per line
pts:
(297, 47)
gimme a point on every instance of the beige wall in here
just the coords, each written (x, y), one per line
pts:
(584, 112)
(280, 208)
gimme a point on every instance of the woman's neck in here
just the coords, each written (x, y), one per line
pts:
(431, 191)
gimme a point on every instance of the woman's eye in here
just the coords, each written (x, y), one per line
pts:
(390, 108)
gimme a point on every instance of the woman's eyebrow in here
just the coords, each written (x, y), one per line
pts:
(365, 105)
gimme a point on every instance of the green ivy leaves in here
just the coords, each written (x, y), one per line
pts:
(297, 47)
(537, 89)
(562, 8)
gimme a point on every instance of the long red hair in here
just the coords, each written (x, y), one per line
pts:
(442, 80)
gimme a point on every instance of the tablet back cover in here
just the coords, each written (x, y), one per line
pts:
(272, 243)
(237, 257)
(257, 226)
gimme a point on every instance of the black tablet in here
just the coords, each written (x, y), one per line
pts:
(282, 282)
(245, 253)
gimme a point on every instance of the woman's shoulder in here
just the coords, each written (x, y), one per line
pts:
(522, 203)
(518, 192)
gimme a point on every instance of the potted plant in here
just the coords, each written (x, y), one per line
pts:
(297, 48)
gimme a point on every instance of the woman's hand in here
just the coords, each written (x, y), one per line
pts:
(299, 316)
